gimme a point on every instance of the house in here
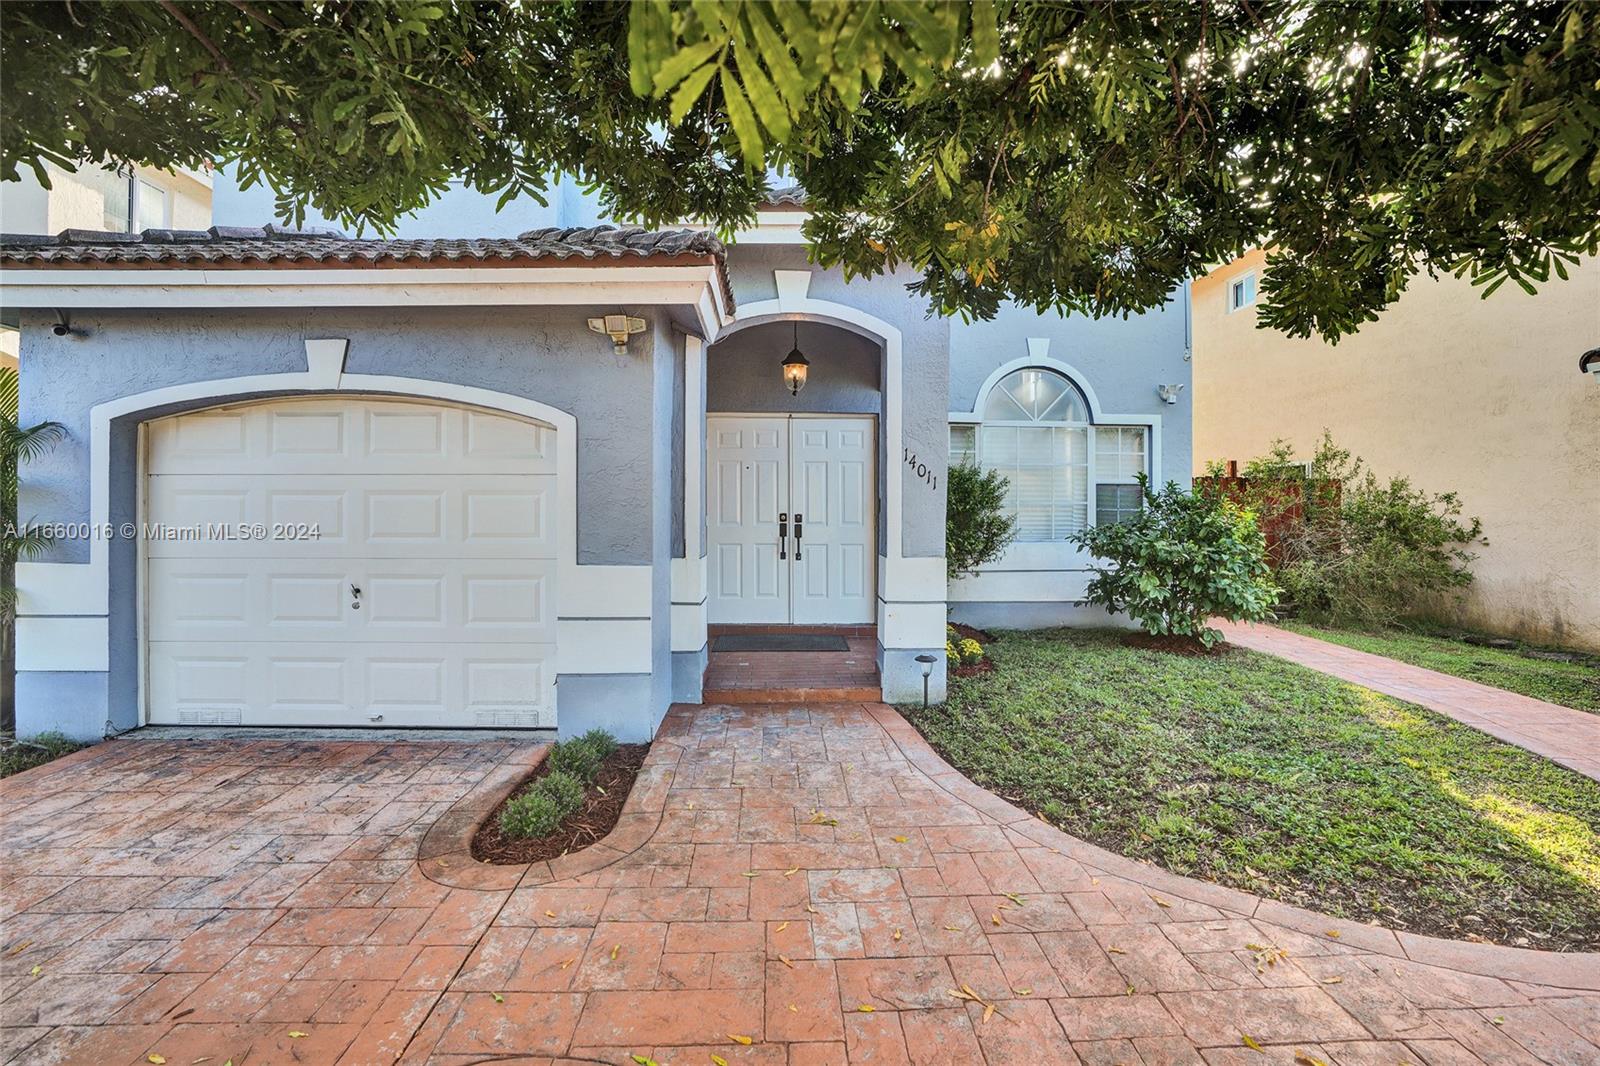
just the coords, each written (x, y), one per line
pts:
(516, 482)
(101, 198)
(1482, 397)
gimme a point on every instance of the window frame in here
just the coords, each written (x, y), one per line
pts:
(136, 187)
(1146, 425)
(1246, 278)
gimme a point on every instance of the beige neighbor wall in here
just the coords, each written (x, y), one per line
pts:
(71, 203)
(1482, 397)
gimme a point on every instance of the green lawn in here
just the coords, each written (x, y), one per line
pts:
(1571, 684)
(1253, 772)
(17, 756)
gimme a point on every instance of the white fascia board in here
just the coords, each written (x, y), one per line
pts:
(774, 227)
(694, 285)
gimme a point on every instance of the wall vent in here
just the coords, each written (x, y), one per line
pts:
(508, 719)
(210, 717)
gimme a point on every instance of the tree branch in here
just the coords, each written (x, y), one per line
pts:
(216, 53)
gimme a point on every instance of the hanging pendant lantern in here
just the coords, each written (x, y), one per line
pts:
(794, 366)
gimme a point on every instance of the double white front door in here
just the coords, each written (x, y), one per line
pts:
(790, 519)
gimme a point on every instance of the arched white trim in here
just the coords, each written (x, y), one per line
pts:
(910, 591)
(1097, 414)
(794, 302)
(1031, 362)
(58, 589)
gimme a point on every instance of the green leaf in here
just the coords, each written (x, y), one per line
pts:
(985, 32)
(684, 62)
(685, 96)
(743, 121)
(775, 54)
(768, 107)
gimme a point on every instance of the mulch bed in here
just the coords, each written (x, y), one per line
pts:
(602, 806)
(1175, 645)
(982, 666)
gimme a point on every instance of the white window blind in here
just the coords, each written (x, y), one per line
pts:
(1036, 432)
(1119, 458)
(1048, 468)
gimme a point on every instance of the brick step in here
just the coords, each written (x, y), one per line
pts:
(860, 694)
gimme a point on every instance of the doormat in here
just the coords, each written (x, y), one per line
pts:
(779, 642)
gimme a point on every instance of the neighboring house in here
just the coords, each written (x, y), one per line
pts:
(1458, 393)
(406, 483)
(100, 198)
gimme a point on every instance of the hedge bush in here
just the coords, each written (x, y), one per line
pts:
(572, 765)
(535, 813)
(1369, 550)
(1183, 559)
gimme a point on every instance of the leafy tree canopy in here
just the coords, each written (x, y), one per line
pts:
(1082, 156)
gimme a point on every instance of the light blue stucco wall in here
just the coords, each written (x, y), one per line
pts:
(623, 406)
(1121, 359)
(744, 372)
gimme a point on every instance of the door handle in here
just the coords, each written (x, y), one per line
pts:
(783, 534)
(355, 597)
(798, 533)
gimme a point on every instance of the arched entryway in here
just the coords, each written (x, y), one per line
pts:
(792, 499)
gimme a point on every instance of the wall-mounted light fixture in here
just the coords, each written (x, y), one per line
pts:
(1169, 393)
(795, 365)
(619, 328)
(1589, 363)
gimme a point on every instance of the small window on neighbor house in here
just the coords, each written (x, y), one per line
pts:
(1242, 291)
(116, 196)
(151, 205)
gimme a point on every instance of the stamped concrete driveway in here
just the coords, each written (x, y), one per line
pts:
(789, 886)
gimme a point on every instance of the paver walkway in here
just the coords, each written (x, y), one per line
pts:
(1561, 734)
(814, 880)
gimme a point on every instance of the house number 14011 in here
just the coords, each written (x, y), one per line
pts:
(928, 477)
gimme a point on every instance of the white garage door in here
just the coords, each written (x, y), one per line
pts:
(351, 561)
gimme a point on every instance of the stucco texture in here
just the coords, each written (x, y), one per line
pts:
(925, 343)
(1458, 393)
(544, 354)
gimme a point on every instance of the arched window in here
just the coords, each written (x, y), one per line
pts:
(1035, 396)
(1036, 431)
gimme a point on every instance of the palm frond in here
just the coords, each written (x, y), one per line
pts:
(23, 444)
(9, 382)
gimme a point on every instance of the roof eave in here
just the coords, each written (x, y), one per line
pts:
(697, 281)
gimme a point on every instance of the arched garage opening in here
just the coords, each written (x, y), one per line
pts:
(350, 560)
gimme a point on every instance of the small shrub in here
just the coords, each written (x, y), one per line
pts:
(17, 755)
(568, 791)
(576, 757)
(952, 656)
(1183, 559)
(532, 814)
(600, 741)
(977, 528)
(971, 650)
